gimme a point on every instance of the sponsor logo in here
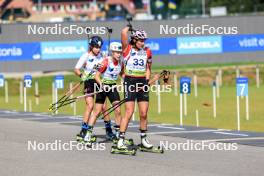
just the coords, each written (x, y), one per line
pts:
(199, 45)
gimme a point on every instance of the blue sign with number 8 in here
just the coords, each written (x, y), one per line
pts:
(27, 81)
(242, 86)
(185, 85)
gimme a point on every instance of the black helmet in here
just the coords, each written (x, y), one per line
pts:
(96, 41)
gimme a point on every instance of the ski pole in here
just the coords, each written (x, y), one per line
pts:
(71, 100)
(71, 91)
(109, 32)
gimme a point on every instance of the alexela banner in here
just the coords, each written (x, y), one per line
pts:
(199, 45)
(63, 49)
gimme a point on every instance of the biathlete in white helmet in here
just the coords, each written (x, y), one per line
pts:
(106, 77)
(86, 68)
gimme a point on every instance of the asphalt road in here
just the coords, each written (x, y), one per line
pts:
(18, 130)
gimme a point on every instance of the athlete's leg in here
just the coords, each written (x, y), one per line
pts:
(129, 110)
(97, 110)
(143, 111)
(117, 118)
(88, 108)
(108, 125)
(86, 116)
(106, 117)
(117, 113)
(92, 120)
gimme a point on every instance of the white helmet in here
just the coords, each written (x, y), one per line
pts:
(139, 34)
(115, 46)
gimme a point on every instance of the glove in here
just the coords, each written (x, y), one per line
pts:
(84, 76)
(130, 27)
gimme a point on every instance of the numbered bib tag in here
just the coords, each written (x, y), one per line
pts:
(242, 86)
(2, 81)
(185, 85)
(59, 82)
(27, 81)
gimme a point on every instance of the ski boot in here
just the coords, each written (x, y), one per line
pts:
(121, 148)
(89, 139)
(80, 137)
(145, 146)
(109, 134)
(128, 142)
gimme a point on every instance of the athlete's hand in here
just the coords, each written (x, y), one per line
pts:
(130, 28)
(84, 76)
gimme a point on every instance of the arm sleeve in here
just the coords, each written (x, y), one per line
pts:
(81, 61)
(104, 65)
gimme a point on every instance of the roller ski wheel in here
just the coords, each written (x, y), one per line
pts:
(115, 150)
(128, 142)
(151, 150)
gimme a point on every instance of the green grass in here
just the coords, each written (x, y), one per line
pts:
(226, 108)
(226, 104)
(206, 65)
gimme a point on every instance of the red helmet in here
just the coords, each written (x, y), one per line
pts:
(139, 34)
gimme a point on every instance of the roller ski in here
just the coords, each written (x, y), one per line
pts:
(123, 149)
(145, 146)
(115, 150)
(151, 149)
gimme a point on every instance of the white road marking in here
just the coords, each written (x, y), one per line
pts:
(14, 115)
(235, 139)
(175, 128)
(232, 134)
(129, 126)
(41, 115)
(9, 112)
(224, 129)
(134, 126)
(182, 132)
